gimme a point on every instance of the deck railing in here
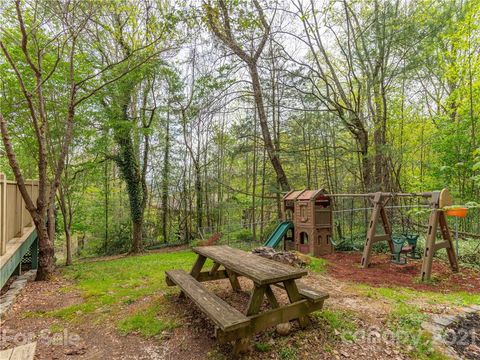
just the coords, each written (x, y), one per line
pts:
(14, 217)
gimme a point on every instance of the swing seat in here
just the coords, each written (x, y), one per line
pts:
(398, 250)
(398, 242)
(407, 249)
(412, 240)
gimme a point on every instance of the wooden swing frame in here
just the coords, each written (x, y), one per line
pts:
(437, 200)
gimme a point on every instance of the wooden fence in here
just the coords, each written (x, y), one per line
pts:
(14, 217)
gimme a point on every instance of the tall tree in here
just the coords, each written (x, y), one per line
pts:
(132, 102)
(218, 17)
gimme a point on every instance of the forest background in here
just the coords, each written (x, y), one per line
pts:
(151, 123)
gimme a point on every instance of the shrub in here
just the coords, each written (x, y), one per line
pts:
(242, 235)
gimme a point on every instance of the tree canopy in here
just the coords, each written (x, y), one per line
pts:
(150, 122)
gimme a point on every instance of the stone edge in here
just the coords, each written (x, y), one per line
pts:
(9, 298)
(437, 325)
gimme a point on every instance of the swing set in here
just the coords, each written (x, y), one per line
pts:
(436, 201)
(308, 217)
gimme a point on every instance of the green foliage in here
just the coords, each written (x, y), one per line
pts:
(262, 347)
(243, 235)
(148, 321)
(317, 265)
(110, 287)
(339, 321)
(120, 239)
(476, 165)
(399, 294)
(288, 353)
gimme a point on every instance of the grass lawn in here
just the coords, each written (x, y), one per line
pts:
(135, 283)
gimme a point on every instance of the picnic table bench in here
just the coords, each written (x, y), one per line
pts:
(230, 323)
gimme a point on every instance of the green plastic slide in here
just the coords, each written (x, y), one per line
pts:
(277, 235)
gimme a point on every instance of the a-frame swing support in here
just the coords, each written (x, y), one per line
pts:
(437, 200)
(438, 219)
(379, 201)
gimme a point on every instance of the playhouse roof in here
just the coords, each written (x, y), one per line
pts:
(292, 195)
(303, 194)
(307, 195)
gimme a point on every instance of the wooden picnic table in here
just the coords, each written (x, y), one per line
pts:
(231, 324)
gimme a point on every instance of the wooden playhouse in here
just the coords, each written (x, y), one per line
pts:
(311, 214)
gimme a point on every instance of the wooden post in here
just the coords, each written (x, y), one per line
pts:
(214, 268)
(452, 255)
(20, 209)
(429, 245)
(256, 298)
(379, 201)
(437, 217)
(3, 214)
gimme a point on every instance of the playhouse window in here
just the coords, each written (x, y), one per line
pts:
(303, 238)
(303, 211)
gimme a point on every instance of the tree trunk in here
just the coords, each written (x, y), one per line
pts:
(366, 162)
(137, 240)
(267, 139)
(199, 196)
(379, 145)
(67, 217)
(106, 202)
(262, 199)
(254, 180)
(68, 242)
(128, 162)
(46, 256)
(165, 180)
(51, 221)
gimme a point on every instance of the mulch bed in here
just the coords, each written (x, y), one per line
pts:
(464, 336)
(346, 266)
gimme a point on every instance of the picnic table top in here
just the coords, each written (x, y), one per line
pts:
(260, 270)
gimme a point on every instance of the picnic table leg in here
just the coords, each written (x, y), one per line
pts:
(256, 299)
(293, 296)
(197, 267)
(233, 280)
(214, 268)
(271, 297)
